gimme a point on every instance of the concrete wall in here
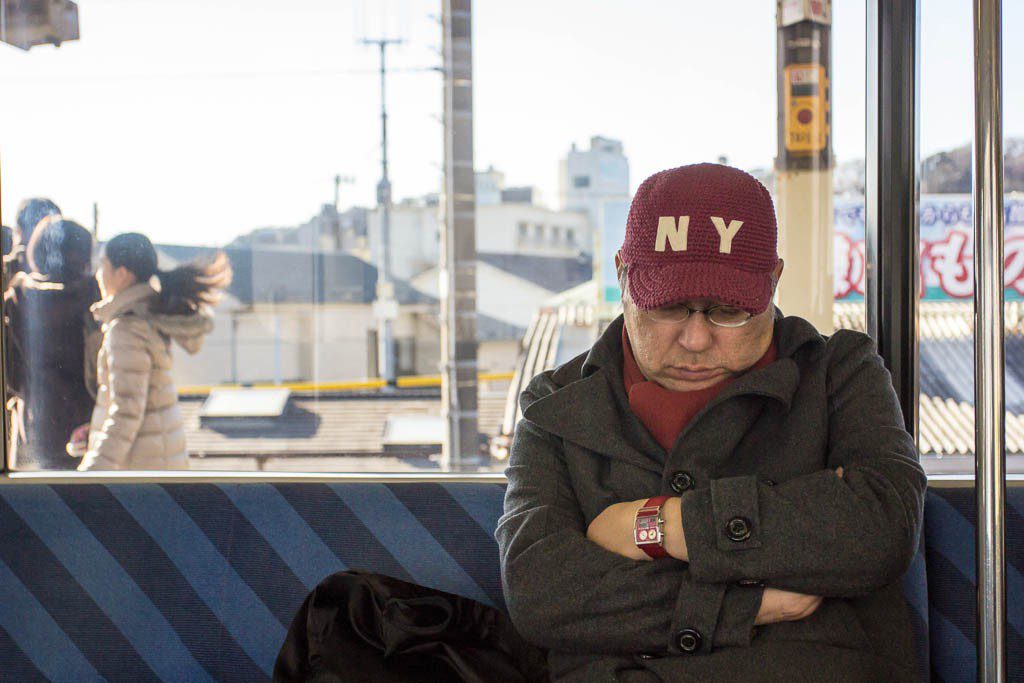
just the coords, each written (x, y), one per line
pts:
(414, 237)
(297, 343)
(508, 228)
(497, 356)
(533, 230)
(500, 295)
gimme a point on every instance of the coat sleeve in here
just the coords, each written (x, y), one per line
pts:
(14, 353)
(93, 340)
(822, 534)
(129, 364)
(565, 592)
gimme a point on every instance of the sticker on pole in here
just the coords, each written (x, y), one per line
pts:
(806, 108)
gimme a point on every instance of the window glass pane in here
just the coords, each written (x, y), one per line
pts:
(946, 371)
(262, 142)
(822, 230)
(1013, 185)
(947, 239)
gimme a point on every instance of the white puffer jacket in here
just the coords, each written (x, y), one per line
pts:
(136, 424)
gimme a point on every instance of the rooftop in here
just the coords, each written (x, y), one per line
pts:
(331, 423)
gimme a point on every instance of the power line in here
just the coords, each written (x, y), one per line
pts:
(314, 73)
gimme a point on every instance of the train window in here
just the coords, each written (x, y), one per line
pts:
(249, 166)
(946, 316)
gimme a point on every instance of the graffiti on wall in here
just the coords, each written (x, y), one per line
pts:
(946, 251)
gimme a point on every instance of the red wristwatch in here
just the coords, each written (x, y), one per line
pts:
(648, 527)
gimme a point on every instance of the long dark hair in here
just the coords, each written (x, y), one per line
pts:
(61, 250)
(184, 289)
(31, 212)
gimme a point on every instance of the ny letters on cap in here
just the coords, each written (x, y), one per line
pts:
(674, 233)
(704, 231)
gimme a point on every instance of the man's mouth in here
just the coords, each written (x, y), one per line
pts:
(693, 373)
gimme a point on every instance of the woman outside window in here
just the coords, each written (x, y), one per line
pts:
(52, 342)
(137, 423)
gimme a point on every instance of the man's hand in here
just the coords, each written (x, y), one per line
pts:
(779, 605)
(613, 529)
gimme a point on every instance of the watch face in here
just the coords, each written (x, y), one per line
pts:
(646, 530)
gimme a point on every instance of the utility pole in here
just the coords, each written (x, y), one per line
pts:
(458, 243)
(385, 307)
(803, 167)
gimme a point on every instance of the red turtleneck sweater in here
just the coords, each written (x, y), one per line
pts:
(664, 412)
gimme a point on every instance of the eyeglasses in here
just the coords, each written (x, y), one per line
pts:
(722, 316)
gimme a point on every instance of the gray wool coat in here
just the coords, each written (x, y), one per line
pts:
(761, 506)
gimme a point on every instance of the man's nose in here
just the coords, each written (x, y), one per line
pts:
(696, 334)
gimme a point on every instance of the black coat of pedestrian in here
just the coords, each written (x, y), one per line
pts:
(51, 346)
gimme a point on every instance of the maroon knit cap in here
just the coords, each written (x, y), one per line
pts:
(704, 231)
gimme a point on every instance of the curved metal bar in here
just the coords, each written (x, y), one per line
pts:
(216, 477)
(988, 345)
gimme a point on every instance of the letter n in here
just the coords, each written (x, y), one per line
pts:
(676, 236)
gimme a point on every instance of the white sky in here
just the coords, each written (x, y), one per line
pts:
(197, 120)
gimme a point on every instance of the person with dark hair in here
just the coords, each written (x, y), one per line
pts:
(51, 345)
(136, 423)
(8, 239)
(30, 213)
(8, 254)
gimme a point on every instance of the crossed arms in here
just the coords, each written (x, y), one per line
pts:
(578, 587)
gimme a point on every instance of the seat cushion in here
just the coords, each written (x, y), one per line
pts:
(199, 582)
(950, 528)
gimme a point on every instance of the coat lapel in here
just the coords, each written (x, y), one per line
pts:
(587, 413)
(593, 411)
(777, 381)
(717, 437)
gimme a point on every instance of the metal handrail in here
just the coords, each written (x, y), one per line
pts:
(231, 477)
(989, 398)
(938, 481)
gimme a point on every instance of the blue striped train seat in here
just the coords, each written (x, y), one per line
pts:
(199, 582)
(950, 523)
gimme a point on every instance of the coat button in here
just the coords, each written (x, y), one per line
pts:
(738, 529)
(682, 481)
(769, 482)
(689, 640)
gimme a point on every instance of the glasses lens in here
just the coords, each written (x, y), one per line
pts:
(727, 316)
(668, 314)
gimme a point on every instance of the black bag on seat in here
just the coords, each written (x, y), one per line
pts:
(360, 627)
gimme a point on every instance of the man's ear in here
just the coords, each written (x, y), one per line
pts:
(618, 263)
(777, 273)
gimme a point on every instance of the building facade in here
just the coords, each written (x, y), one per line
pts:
(589, 178)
